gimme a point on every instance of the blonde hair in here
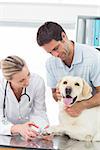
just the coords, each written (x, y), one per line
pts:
(11, 65)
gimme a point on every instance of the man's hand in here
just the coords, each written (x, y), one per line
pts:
(76, 109)
(58, 95)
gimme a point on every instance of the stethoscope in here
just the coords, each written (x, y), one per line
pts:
(4, 120)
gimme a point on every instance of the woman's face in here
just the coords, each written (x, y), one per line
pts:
(21, 78)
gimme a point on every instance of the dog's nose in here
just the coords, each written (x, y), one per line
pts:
(68, 90)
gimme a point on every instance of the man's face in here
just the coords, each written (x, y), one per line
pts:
(57, 48)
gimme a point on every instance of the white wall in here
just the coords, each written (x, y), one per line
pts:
(85, 2)
(34, 12)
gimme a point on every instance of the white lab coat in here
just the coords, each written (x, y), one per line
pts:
(23, 111)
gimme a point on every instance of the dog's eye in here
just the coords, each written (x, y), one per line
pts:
(65, 82)
(77, 84)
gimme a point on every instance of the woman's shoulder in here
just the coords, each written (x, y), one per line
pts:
(36, 81)
(36, 77)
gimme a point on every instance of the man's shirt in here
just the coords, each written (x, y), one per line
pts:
(86, 64)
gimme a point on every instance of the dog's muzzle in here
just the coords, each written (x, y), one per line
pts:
(68, 100)
(68, 90)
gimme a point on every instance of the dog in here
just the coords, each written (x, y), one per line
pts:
(85, 127)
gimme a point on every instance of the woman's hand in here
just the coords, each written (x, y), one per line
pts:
(24, 130)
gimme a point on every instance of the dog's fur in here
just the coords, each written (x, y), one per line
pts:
(86, 126)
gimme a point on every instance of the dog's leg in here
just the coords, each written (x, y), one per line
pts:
(55, 130)
(79, 133)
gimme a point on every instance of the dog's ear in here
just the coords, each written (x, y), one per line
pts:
(86, 92)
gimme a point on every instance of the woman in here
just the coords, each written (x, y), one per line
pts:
(22, 99)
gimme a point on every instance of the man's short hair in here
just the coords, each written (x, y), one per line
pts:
(49, 31)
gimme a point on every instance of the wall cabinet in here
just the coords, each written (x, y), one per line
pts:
(88, 30)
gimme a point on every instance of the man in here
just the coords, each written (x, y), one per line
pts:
(70, 58)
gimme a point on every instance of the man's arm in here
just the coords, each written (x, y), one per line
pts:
(94, 101)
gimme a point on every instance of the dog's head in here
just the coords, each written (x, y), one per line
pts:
(73, 89)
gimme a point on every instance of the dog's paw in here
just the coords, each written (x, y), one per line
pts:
(54, 130)
(49, 131)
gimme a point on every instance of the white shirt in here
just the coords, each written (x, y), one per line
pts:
(23, 111)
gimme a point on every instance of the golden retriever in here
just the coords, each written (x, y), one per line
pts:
(86, 126)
